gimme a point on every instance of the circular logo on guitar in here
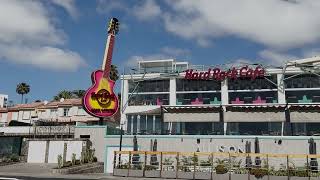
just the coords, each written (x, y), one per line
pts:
(102, 96)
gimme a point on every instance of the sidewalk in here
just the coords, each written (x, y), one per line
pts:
(42, 171)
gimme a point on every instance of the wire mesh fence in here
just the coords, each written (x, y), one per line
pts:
(200, 165)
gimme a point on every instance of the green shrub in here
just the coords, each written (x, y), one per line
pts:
(14, 158)
(60, 161)
(258, 172)
(150, 168)
(78, 162)
(67, 164)
(73, 159)
(95, 159)
(221, 169)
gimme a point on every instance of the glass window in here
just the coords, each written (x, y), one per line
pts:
(158, 125)
(197, 85)
(302, 81)
(303, 96)
(150, 124)
(149, 99)
(135, 124)
(143, 124)
(251, 97)
(254, 128)
(149, 86)
(66, 111)
(129, 124)
(268, 82)
(198, 98)
(53, 112)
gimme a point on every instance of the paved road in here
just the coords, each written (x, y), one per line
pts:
(24, 171)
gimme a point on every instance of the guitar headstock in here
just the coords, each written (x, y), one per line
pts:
(113, 27)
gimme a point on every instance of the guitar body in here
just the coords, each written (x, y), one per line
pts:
(100, 99)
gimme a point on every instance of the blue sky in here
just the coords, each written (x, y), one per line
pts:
(55, 45)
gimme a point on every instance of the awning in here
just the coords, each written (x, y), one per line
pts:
(191, 113)
(230, 116)
(255, 113)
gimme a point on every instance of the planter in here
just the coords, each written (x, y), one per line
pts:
(185, 175)
(298, 178)
(252, 177)
(278, 177)
(239, 176)
(135, 173)
(203, 175)
(315, 178)
(79, 169)
(221, 176)
(120, 172)
(152, 173)
(168, 174)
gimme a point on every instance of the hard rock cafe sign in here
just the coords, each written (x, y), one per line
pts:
(220, 75)
(100, 99)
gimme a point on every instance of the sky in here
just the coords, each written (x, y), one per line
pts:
(54, 45)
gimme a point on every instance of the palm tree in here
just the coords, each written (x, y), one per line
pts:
(78, 93)
(114, 74)
(63, 94)
(22, 88)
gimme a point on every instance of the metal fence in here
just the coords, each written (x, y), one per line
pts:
(200, 165)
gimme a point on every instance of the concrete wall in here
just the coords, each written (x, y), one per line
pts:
(47, 151)
(96, 134)
(185, 143)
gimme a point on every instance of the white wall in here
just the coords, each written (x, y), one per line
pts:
(36, 152)
(55, 149)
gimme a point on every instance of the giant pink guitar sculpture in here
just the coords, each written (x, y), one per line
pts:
(100, 99)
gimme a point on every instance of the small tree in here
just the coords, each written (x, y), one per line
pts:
(60, 161)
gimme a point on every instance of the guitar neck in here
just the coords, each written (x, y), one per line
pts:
(106, 66)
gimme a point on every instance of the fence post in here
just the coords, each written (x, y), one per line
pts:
(129, 165)
(145, 163)
(288, 170)
(308, 171)
(177, 165)
(212, 159)
(160, 164)
(268, 166)
(229, 166)
(194, 165)
(114, 161)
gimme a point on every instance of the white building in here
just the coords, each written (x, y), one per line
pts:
(3, 100)
(170, 97)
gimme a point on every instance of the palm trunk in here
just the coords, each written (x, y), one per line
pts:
(21, 98)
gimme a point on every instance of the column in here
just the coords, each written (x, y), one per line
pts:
(138, 124)
(172, 90)
(224, 100)
(124, 103)
(281, 91)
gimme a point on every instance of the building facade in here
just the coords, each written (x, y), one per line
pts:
(65, 111)
(177, 98)
(3, 100)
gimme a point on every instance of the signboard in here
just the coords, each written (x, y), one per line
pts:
(220, 75)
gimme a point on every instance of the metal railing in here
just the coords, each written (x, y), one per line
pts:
(39, 130)
(201, 165)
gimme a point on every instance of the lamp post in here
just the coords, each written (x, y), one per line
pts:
(120, 145)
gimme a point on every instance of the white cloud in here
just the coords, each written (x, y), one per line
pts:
(276, 58)
(69, 6)
(29, 36)
(165, 52)
(312, 52)
(107, 6)
(44, 57)
(175, 52)
(147, 11)
(274, 23)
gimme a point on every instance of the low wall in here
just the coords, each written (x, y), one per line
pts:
(96, 134)
(47, 151)
(201, 143)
